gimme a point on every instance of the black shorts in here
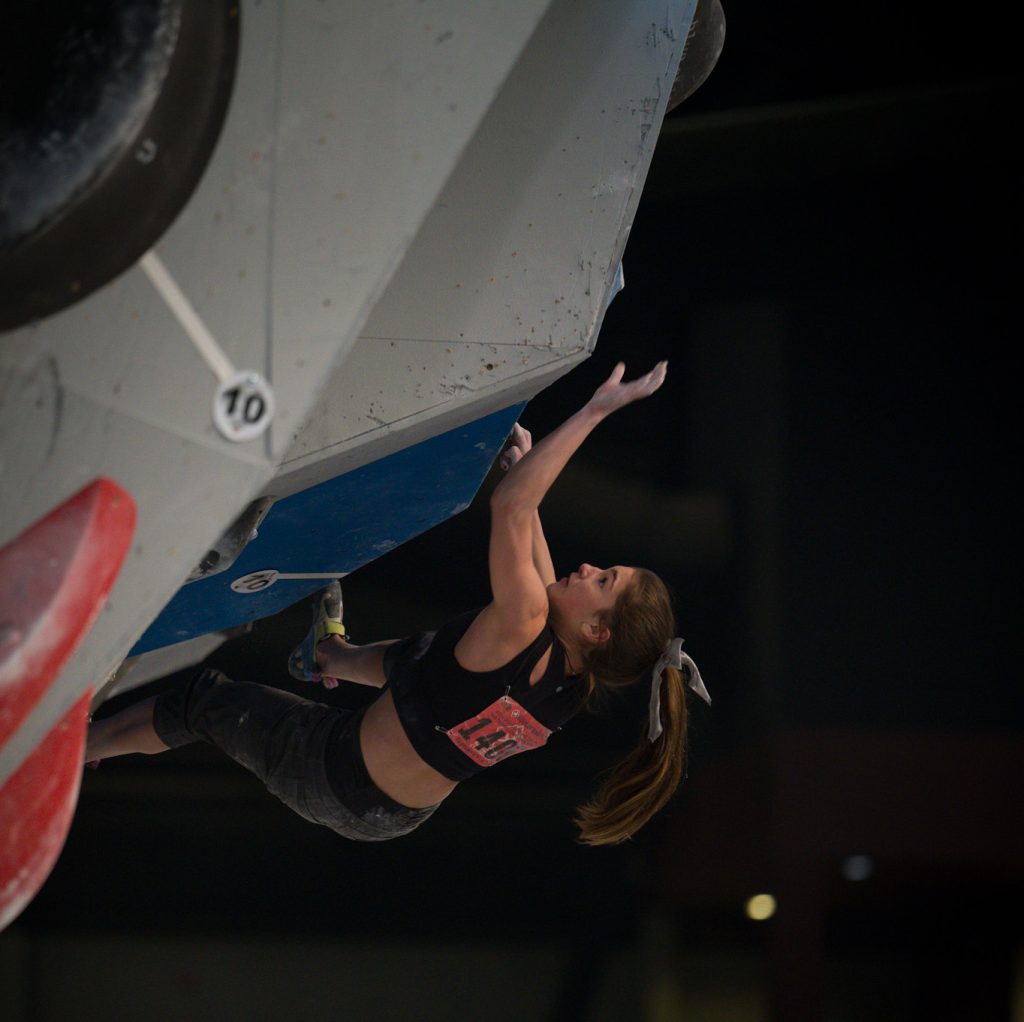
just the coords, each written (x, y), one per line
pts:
(306, 753)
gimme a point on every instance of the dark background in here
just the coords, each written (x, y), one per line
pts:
(828, 253)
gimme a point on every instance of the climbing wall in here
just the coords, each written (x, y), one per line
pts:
(409, 222)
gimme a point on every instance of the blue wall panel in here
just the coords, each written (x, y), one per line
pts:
(338, 525)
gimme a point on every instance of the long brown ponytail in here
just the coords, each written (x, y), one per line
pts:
(638, 787)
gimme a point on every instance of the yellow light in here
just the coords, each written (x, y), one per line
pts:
(760, 907)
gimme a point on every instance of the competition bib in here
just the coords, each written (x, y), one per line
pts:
(504, 729)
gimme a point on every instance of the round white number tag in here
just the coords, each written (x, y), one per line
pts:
(243, 406)
(255, 581)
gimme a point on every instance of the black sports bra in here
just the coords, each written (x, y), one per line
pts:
(460, 721)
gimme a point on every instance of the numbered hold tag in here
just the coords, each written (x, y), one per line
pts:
(243, 406)
(255, 581)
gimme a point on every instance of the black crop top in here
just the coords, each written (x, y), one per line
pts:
(462, 721)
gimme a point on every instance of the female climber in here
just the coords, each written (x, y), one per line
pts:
(487, 685)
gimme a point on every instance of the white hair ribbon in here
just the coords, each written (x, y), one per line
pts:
(672, 657)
